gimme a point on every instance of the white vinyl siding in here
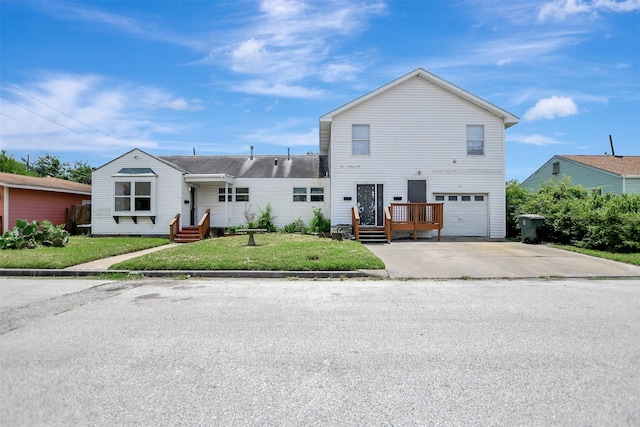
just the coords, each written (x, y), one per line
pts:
(275, 191)
(418, 131)
(168, 193)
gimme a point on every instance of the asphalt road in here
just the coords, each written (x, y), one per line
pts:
(295, 352)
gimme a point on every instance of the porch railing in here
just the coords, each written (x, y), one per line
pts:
(203, 225)
(416, 217)
(174, 227)
(388, 231)
(355, 222)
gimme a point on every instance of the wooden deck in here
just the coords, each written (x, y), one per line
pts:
(412, 217)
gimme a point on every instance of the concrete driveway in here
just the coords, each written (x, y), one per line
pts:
(484, 258)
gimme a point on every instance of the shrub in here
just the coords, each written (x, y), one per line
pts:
(266, 219)
(319, 224)
(574, 215)
(31, 234)
(297, 226)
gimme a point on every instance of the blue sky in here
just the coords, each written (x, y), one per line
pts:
(90, 80)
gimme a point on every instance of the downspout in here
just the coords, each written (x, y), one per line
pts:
(624, 184)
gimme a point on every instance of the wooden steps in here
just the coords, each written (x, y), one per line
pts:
(372, 235)
(187, 235)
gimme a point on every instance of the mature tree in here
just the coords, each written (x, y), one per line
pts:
(10, 165)
(80, 172)
(49, 165)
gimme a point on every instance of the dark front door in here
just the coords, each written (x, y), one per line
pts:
(370, 204)
(417, 191)
(193, 202)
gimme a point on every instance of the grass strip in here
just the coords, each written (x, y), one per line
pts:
(80, 249)
(273, 252)
(631, 258)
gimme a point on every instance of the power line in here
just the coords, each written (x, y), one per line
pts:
(40, 115)
(61, 112)
(13, 118)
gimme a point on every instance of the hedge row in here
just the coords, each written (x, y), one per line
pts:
(578, 216)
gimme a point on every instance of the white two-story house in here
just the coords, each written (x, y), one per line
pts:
(417, 139)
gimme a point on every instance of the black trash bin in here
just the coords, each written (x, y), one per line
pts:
(530, 227)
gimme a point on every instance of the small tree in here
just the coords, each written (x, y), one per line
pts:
(319, 224)
(250, 217)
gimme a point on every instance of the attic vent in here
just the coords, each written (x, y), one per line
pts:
(556, 168)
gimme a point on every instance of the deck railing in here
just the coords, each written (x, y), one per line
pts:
(417, 217)
(174, 227)
(204, 224)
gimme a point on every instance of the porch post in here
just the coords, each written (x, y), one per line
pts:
(226, 207)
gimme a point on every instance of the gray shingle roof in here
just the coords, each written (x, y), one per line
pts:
(299, 166)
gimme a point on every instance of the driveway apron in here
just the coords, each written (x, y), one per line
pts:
(430, 259)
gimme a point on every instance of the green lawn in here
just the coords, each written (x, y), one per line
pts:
(632, 258)
(273, 251)
(80, 249)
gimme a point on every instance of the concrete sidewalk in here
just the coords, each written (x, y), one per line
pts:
(105, 263)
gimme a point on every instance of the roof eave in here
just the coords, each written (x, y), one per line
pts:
(202, 178)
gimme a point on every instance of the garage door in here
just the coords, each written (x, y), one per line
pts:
(465, 214)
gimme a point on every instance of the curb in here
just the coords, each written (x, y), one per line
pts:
(258, 274)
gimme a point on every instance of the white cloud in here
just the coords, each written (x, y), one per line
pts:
(558, 10)
(76, 113)
(82, 12)
(292, 41)
(550, 108)
(249, 56)
(533, 139)
(264, 87)
(282, 8)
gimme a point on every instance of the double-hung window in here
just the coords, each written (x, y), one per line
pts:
(475, 140)
(299, 194)
(360, 142)
(242, 194)
(222, 191)
(314, 194)
(317, 194)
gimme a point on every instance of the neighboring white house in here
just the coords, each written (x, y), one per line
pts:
(419, 139)
(416, 139)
